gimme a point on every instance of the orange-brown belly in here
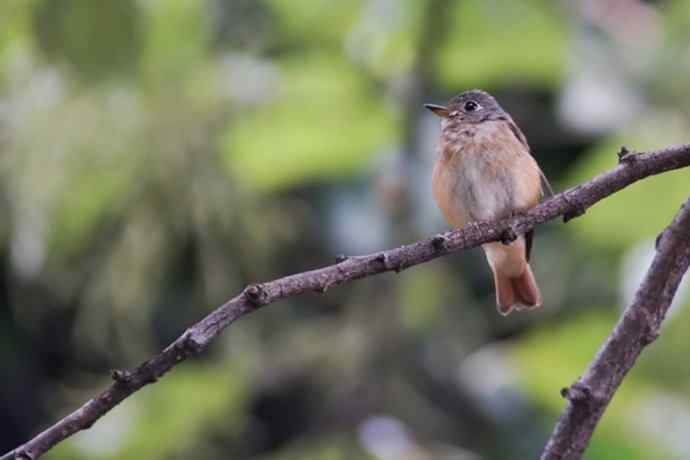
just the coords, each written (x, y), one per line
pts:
(478, 184)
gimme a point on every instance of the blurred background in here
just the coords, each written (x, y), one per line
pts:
(158, 155)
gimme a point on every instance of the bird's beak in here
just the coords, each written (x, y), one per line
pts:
(439, 110)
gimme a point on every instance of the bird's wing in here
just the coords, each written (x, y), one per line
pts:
(546, 190)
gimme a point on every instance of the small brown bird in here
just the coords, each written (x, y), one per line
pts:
(485, 172)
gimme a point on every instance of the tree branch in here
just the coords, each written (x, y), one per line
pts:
(570, 203)
(638, 327)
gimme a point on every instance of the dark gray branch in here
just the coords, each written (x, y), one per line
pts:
(570, 203)
(638, 327)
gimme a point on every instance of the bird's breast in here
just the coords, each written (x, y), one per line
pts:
(483, 173)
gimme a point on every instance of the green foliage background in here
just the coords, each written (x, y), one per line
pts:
(158, 155)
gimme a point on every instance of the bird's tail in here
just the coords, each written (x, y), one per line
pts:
(517, 292)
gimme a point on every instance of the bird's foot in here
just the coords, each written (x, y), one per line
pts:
(508, 236)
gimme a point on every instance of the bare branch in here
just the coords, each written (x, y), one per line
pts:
(638, 327)
(572, 202)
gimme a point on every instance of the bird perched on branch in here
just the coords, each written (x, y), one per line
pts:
(484, 171)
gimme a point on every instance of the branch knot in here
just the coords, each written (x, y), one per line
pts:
(256, 294)
(578, 393)
(23, 455)
(188, 344)
(122, 376)
(625, 155)
(578, 209)
(438, 242)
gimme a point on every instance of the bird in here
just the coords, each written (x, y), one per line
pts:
(484, 172)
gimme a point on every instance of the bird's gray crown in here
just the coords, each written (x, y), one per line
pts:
(485, 103)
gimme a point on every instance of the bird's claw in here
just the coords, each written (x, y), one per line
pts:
(508, 236)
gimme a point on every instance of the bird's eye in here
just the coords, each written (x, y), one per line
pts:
(471, 106)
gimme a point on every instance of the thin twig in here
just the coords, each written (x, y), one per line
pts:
(638, 327)
(198, 337)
